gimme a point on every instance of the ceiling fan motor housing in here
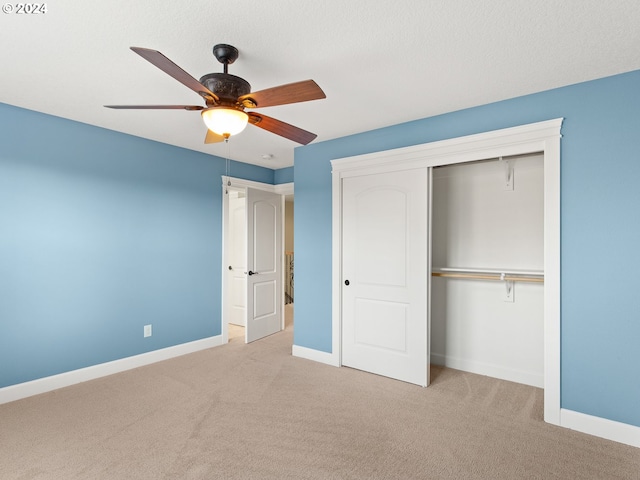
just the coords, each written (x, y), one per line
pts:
(226, 86)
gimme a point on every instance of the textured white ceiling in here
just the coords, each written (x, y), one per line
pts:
(380, 63)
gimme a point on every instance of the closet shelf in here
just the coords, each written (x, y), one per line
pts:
(511, 275)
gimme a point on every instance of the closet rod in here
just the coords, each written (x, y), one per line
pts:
(478, 276)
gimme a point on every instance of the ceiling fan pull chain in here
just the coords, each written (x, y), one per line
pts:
(227, 165)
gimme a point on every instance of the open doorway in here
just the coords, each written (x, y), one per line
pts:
(289, 262)
(256, 268)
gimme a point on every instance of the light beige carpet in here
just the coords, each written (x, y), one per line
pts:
(255, 412)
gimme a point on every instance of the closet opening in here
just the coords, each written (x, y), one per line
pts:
(515, 146)
(487, 290)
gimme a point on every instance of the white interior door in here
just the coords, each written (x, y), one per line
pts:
(264, 264)
(237, 258)
(385, 274)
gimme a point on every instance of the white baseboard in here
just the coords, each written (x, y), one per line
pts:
(600, 427)
(54, 382)
(488, 369)
(315, 355)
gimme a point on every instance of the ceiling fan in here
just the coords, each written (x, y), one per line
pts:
(226, 96)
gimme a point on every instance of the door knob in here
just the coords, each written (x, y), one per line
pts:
(252, 273)
(346, 282)
(230, 267)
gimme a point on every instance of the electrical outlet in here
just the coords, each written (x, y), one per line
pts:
(147, 331)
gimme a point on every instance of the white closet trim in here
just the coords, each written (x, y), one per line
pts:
(541, 137)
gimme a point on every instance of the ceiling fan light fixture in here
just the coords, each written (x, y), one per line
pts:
(225, 121)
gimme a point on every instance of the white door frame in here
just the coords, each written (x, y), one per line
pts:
(543, 137)
(239, 183)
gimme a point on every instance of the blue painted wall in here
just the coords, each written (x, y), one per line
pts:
(100, 234)
(600, 229)
(283, 175)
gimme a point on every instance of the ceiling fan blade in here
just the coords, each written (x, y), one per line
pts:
(170, 68)
(213, 137)
(284, 94)
(157, 107)
(281, 128)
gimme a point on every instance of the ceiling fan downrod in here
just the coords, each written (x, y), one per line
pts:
(227, 87)
(225, 54)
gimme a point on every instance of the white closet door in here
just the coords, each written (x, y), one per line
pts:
(385, 274)
(264, 260)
